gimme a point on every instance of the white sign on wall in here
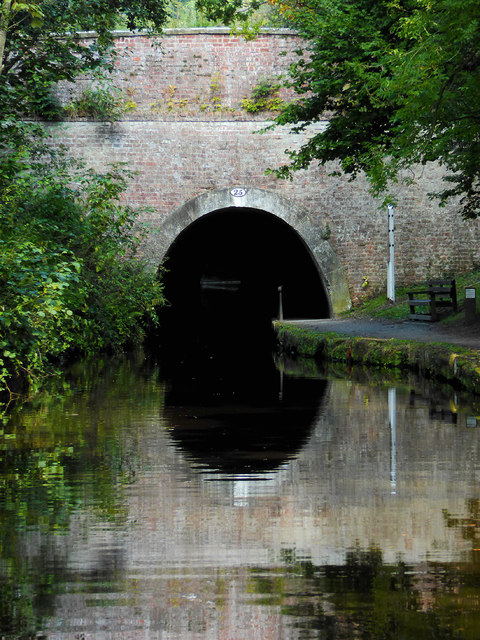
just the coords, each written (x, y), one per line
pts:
(238, 192)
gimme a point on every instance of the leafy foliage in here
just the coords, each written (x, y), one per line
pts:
(264, 97)
(100, 103)
(399, 81)
(246, 16)
(69, 278)
(40, 52)
(229, 11)
(184, 13)
(68, 273)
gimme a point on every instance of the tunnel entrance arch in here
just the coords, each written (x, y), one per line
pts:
(240, 236)
(233, 263)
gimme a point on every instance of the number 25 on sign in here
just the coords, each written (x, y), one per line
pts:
(238, 193)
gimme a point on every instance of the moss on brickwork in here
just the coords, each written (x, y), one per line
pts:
(456, 365)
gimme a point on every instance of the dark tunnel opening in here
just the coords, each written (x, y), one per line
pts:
(223, 275)
(216, 340)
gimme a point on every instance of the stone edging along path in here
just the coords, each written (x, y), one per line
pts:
(450, 363)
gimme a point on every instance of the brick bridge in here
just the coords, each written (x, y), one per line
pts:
(218, 217)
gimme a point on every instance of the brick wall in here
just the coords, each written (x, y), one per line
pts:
(188, 134)
(195, 73)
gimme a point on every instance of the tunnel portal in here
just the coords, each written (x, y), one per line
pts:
(222, 277)
(228, 265)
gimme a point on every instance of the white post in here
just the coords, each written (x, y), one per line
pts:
(392, 418)
(391, 254)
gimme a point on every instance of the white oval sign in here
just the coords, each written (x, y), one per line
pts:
(238, 193)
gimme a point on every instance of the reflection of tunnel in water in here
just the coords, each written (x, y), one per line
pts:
(227, 266)
(242, 420)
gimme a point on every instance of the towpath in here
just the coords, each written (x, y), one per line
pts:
(465, 335)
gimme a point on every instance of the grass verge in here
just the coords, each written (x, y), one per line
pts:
(379, 307)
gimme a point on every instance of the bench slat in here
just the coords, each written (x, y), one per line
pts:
(421, 316)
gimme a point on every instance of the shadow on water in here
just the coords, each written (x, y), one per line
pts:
(229, 408)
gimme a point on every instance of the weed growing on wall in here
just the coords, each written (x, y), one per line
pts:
(100, 103)
(264, 97)
(172, 102)
(40, 46)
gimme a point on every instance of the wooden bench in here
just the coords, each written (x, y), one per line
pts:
(439, 295)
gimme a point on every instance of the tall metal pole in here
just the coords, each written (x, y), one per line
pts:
(391, 254)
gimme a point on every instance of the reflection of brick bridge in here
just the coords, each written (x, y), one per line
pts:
(191, 143)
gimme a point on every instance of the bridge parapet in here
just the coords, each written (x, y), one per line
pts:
(200, 74)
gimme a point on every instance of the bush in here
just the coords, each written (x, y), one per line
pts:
(69, 276)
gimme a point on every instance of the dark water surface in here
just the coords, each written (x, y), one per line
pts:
(239, 502)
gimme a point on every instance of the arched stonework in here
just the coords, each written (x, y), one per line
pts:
(328, 264)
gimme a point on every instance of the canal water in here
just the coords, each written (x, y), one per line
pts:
(239, 497)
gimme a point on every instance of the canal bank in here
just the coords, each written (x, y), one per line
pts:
(446, 353)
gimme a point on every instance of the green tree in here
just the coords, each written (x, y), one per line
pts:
(247, 16)
(229, 11)
(70, 280)
(42, 45)
(9, 10)
(69, 276)
(398, 80)
(184, 13)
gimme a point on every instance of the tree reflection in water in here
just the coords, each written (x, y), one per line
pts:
(118, 502)
(366, 598)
